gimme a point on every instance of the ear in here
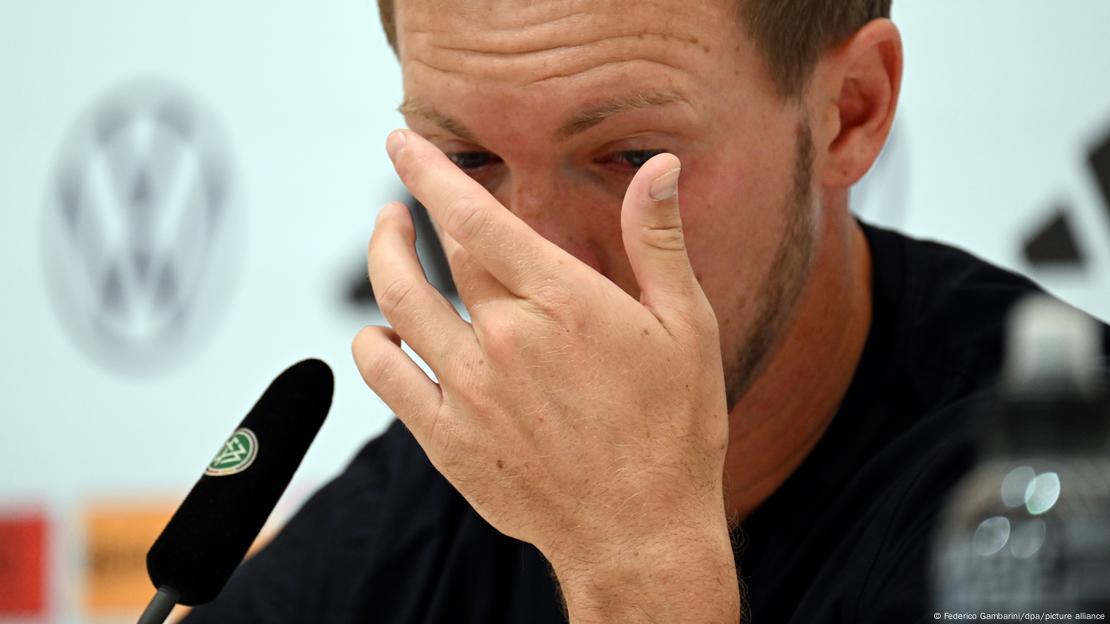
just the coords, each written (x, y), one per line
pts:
(859, 83)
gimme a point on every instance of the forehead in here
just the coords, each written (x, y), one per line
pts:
(524, 43)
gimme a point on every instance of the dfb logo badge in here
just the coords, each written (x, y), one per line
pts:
(236, 455)
(144, 228)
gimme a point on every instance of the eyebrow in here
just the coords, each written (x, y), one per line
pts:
(590, 117)
(577, 123)
(450, 124)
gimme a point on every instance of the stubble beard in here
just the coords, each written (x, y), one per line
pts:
(777, 296)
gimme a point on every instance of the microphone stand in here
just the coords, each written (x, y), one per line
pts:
(160, 606)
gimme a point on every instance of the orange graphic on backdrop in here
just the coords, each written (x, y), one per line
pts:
(117, 537)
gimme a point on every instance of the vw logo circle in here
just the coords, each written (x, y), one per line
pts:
(144, 228)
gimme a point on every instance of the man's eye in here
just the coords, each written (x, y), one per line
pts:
(471, 161)
(633, 159)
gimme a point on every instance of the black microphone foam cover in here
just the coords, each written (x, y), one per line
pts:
(210, 533)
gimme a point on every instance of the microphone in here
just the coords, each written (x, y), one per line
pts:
(210, 533)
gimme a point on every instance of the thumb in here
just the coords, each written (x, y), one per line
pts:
(651, 227)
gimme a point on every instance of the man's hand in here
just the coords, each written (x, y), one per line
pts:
(569, 414)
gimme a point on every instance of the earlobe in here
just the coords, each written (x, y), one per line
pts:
(865, 97)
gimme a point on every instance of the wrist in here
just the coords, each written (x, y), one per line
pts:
(680, 575)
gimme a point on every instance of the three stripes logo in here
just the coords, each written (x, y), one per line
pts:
(1055, 244)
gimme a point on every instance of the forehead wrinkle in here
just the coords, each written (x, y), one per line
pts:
(528, 21)
(532, 46)
(527, 56)
(584, 71)
(520, 40)
(511, 70)
(558, 24)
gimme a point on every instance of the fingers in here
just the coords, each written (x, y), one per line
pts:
(651, 227)
(477, 288)
(515, 254)
(394, 377)
(416, 310)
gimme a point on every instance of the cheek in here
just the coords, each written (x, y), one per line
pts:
(734, 218)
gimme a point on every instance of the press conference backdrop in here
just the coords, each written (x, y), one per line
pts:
(188, 187)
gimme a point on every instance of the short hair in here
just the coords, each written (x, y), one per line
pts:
(790, 34)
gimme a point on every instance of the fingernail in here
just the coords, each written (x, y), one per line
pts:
(394, 143)
(665, 186)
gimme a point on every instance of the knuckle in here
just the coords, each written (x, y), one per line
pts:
(376, 363)
(464, 218)
(554, 299)
(378, 369)
(499, 336)
(478, 397)
(663, 237)
(410, 165)
(395, 295)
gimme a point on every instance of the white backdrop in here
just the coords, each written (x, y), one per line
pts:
(1002, 103)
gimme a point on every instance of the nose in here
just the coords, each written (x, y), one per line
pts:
(565, 219)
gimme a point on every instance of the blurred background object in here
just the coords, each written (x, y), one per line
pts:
(188, 189)
(1028, 529)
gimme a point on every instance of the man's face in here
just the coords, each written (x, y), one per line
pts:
(553, 105)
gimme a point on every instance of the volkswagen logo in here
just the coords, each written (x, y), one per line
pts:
(144, 228)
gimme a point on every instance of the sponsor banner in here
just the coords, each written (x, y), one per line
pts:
(144, 229)
(23, 564)
(117, 537)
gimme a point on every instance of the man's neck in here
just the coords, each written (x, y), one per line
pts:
(790, 405)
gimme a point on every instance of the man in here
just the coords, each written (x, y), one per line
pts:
(749, 404)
